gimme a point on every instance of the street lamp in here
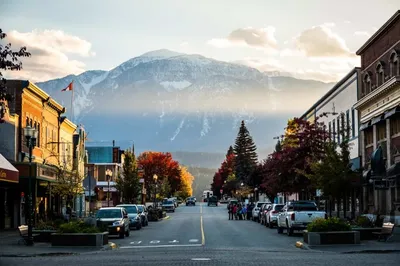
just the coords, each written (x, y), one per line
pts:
(108, 175)
(255, 193)
(155, 177)
(31, 135)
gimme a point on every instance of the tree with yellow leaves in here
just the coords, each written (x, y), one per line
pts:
(186, 183)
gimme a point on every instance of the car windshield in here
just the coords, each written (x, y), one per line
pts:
(140, 208)
(168, 202)
(278, 207)
(109, 213)
(130, 209)
(260, 204)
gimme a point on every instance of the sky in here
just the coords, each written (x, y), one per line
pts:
(309, 39)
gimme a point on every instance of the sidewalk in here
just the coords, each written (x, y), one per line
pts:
(9, 247)
(370, 246)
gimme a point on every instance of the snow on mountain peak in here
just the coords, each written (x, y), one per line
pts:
(162, 53)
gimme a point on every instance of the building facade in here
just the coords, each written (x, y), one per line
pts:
(379, 108)
(336, 105)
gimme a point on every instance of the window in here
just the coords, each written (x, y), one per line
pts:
(380, 74)
(366, 88)
(347, 126)
(368, 137)
(381, 131)
(394, 64)
(334, 130)
(38, 138)
(353, 123)
(338, 130)
(27, 121)
(395, 126)
(330, 130)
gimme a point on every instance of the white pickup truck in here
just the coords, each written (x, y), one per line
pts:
(296, 215)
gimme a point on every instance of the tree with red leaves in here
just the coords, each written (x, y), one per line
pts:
(220, 179)
(162, 165)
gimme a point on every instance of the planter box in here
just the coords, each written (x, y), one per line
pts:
(79, 239)
(331, 238)
(43, 235)
(367, 233)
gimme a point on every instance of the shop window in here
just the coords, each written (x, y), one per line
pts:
(395, 126)
(368, 137)
(381, 131)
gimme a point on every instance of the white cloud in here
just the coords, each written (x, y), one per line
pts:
(50, 50)
(347, 21)
(184, 44)
(362, 33)
(321, 41)
(262, 65)
(261, 38)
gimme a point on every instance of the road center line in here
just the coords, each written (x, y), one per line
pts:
(203, 239)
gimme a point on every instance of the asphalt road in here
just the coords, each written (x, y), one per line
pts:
(202, 235)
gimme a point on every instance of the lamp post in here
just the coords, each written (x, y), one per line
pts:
(155, 177)
(31, 135)
(255, 193)
(108, 175)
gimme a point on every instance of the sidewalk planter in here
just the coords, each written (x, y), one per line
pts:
(43, 235)
(79, 239)
(331, 238)
(367, 233)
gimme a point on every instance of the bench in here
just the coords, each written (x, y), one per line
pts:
(23, 231)
(386, 232)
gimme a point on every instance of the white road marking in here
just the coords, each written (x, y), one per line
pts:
(201, 259)
(136, 242)
(174, 241)
(154, 241)
(193, 240)
(163, 246)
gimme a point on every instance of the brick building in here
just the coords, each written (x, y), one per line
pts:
(379, 110)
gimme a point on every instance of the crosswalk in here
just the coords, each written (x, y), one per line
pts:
(163, 243)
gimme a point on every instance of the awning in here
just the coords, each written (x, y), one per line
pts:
(393, 170)
(365, 125)
(393, 111)
(8, 172)
(377, 119)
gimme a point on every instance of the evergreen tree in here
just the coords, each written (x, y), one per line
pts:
(129, 184)
(230, 151)
(245, 155)
(278, 146)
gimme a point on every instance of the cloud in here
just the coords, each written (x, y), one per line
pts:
(262, 65)
(50, 51)
(262, 38)
(362, 33)
(321, 41)
(184, 44)
(326, 76)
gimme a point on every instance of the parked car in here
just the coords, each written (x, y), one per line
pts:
(263, 213)
(212, 201)
(168, 205)
(256, 211)
(296, 215)
(115, 219)
(133, 214)
(144, 214)
(272, 215)
(190, 201)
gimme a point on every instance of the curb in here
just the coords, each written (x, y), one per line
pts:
(372, 251)
(166, 217)
(37, 255)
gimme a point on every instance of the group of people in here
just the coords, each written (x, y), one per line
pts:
(237, 211)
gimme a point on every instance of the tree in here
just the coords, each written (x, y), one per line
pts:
(245, 155)
(9, 60)
(128, 183)
(69, 182)
(162, 165)
(225, 170)
(165, 189)
(187, 181)
(278, 146)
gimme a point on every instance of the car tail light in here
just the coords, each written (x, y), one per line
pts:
(326, 216)
(292, 217)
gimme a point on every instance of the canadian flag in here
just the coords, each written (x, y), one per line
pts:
(69, 87)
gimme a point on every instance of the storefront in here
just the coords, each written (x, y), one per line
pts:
(9, 195)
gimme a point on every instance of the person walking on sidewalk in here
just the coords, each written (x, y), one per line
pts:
(235, 210)
(230, 211)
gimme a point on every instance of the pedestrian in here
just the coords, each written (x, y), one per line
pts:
(230, 211)
(234, 210)
(244, 212)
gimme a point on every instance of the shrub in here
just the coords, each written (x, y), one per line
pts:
(42, 225)
(78, 227)
(364, 221)
(326, 225)
(153, 214)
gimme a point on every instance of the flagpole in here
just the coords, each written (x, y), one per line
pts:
(72, 103)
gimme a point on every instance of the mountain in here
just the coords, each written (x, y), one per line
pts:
(169, 101)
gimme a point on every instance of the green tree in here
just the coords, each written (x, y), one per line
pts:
(245, 155)
(128, 184)
(278, 146)
(165, 188)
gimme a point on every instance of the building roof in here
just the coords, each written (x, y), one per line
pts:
(331, 91)
(379, 32)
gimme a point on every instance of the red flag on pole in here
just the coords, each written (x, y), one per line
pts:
(69, 87)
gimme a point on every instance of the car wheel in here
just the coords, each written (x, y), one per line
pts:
(139, 226)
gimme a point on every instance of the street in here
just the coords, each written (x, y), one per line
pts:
(201, 235)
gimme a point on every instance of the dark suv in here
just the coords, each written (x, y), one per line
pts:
(115, 219)
(190, 201)
(212, 201)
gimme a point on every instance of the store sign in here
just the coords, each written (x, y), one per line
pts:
(9, 176)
